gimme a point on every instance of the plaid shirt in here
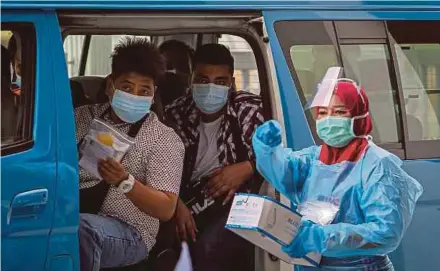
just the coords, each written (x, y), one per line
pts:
(243, 108)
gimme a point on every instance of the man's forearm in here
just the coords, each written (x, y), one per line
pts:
(155, 203)
(248, 170)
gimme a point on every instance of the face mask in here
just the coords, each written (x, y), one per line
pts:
(210, 98)
(17, 81)
(130, 108)
(337, 132)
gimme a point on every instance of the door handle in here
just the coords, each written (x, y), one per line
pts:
(28, 204)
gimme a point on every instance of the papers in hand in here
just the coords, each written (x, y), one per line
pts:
(93, 151)
(102, 141)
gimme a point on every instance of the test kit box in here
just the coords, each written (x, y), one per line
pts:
(268, 224)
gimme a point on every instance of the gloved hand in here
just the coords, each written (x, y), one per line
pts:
(269, 133)
(310, 238)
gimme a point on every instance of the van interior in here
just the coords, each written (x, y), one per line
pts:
(89, 39)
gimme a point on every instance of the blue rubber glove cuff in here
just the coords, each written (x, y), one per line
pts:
(310, 238)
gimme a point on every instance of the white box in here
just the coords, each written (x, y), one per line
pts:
(268, 224)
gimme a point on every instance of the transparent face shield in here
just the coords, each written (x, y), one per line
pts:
(327, 87)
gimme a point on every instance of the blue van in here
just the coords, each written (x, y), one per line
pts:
(282, 48)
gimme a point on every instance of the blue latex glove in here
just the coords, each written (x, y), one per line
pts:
(310, 238)
(269, 133)
(284, 169)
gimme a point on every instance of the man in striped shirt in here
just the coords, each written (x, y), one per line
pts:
(216, 123)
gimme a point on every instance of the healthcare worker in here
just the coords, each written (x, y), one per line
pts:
(360, 197)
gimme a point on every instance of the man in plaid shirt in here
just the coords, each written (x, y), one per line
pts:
(216, 123)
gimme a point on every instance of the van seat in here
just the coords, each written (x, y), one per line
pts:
(415, 128)
(93, 88)
(78, 96)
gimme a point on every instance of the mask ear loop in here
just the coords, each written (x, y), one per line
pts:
(352, 126)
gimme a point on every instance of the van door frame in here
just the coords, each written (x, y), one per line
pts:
(249, 26)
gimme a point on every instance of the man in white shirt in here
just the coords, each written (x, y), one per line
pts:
(216, 123)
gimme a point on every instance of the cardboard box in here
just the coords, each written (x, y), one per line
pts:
(268, 224)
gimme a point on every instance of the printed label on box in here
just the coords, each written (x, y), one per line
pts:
(267, 224)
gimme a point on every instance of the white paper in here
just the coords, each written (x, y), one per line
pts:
(93, 151)
(102, 141)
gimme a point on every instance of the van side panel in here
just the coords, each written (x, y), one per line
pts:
(419, 247)
(25, 237)
(63, 247)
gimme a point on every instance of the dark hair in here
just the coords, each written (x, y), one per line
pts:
(137, 55)
(177, 46)
(214, 54)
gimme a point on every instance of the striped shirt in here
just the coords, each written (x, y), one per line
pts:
(243, 110)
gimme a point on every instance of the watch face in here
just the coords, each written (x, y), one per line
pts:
(125, 186)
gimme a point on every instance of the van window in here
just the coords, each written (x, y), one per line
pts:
(313, 47)
(311, 62)
(309, 56)
(368, 64)
(246, 73)
(418, 59)
(98, 62)
(95, 49)
(17, 85)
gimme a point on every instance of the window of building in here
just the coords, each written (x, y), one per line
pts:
(17, 85)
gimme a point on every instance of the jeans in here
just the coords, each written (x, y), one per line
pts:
(106, 242)
(219, 249)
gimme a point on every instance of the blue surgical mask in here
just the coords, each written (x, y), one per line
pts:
(337, 132)
(210, 98)
(130, 108)
(17, 81)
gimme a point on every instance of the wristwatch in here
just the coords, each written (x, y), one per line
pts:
(126, 185)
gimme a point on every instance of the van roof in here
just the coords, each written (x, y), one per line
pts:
(221, 4)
